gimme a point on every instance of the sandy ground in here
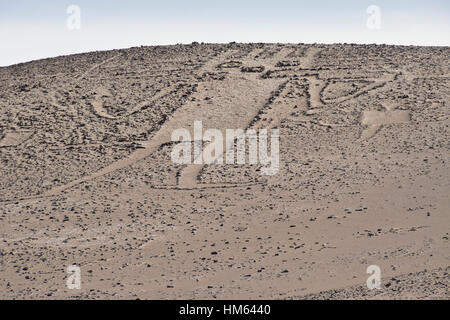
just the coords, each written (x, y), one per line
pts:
(86, 176)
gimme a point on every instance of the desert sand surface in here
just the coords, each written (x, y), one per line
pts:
(86, 176)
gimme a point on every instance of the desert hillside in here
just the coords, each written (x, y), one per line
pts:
(87, 179)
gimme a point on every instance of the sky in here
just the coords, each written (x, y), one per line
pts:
(33, 29)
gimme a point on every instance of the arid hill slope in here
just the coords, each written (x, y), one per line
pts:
(86, 175)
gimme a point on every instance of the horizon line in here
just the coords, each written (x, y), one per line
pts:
(223, 43)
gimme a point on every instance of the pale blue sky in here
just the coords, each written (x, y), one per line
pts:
(37, 29)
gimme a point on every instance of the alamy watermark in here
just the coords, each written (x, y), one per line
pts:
(73, 21)
(374, 281)
(374, 20)
(74, 280)
(212, 152)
